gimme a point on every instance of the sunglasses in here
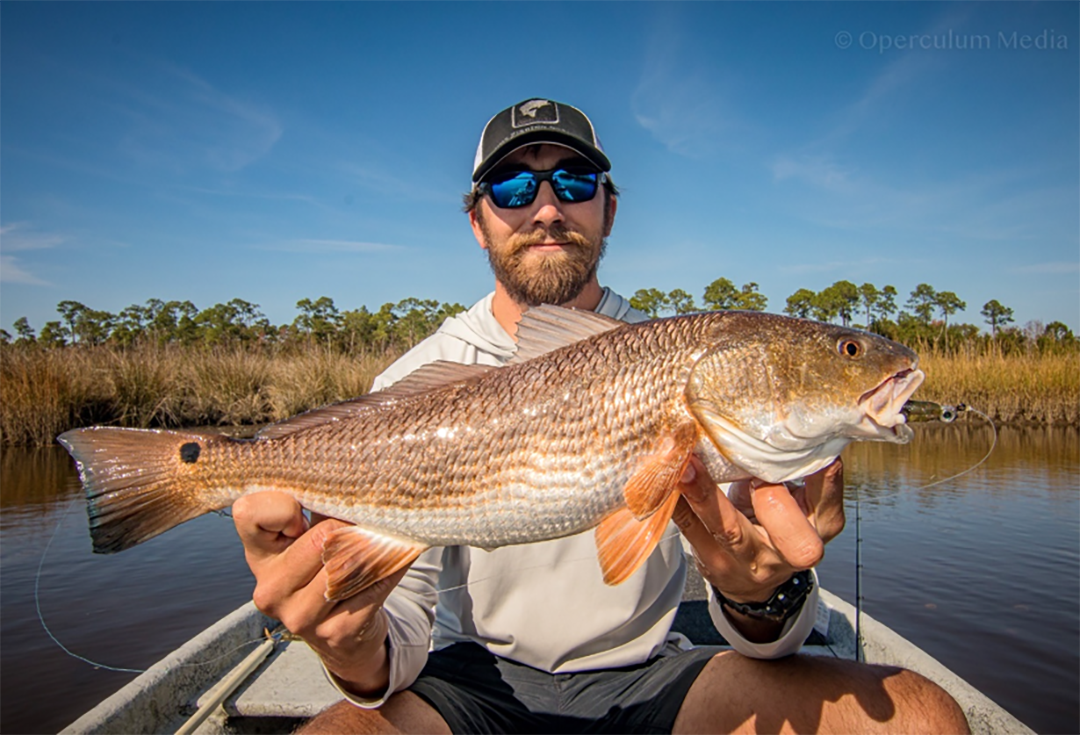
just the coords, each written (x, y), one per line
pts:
(513, 189)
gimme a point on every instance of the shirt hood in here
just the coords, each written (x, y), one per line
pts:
(478, 327)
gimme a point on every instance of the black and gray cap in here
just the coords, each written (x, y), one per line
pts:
(537, 121)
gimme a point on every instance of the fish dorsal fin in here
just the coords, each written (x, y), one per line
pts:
(428, 377)
(546, 328)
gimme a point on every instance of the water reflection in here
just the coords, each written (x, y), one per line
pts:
(34, 480)
(1047, 456)
(981, 571)
(125, 610)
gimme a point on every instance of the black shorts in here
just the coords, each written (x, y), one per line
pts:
(478, 692)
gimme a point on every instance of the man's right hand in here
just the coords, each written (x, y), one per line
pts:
(285, 555)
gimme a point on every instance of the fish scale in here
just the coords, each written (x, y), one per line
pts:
(594, 432)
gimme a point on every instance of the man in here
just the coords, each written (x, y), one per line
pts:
(529, 637)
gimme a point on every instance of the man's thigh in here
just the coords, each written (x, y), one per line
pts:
(735, 694)
(404, 712)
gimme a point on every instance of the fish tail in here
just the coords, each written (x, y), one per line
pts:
(140, 483)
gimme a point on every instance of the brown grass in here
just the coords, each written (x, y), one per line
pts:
(46, 392)
(1011, 389)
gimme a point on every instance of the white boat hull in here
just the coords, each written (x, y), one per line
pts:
(289, 685)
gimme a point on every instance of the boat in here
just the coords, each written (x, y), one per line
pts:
(246, 674)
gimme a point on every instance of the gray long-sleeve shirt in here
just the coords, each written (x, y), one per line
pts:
(543, 604)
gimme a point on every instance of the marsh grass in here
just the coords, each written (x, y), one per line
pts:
(46, 392)
(1011, 389)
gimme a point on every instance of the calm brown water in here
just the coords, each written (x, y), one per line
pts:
(983, 572)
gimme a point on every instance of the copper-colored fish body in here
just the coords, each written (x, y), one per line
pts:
(591, 426)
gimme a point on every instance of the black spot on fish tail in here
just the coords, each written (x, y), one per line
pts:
(135, 490)
(189, 452)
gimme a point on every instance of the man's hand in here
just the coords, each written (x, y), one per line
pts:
(285, 555)
(750, 543)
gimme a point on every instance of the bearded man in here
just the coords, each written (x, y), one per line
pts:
(529, 638)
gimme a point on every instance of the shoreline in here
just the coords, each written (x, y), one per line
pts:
(46, 392)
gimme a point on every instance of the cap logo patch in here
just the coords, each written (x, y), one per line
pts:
(535, 111)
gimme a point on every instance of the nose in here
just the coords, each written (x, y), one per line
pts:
(548, 207)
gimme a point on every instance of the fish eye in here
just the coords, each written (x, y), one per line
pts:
(850, 348)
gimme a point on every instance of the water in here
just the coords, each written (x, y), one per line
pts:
(983, 572)
(125, 610)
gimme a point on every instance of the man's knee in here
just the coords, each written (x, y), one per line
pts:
(814, 694)
(931, 708)
(404, 712)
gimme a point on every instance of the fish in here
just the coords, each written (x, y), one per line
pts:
(590, 425)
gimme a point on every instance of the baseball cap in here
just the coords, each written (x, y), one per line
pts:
(537, 121)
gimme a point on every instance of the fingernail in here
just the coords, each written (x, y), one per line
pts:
(690, 489)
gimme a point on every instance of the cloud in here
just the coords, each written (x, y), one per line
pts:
(12, 272)
(20, 237)
(17, 236)
(845, 266)
(1057, 267)
(819, 171)
(377, 180)
(334, 246)
(678, 100)
(178, 121)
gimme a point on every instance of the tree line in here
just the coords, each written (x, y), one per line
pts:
(238, 322)
(924, 319)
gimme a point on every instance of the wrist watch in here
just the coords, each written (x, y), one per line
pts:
(785, 602)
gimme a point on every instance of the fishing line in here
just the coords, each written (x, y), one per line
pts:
(993, 445)
(41, 618)
(860, 655)
(948, 415)
(97, 664)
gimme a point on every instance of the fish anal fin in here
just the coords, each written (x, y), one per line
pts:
(658, 473)
(355, 559)
(623, 542)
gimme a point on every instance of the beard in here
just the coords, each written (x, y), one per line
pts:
(532, 279)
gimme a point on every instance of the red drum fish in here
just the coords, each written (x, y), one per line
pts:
(590, 425)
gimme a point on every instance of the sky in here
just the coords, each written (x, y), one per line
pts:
(279, 151)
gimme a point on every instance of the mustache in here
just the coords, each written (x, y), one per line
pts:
(557, 233)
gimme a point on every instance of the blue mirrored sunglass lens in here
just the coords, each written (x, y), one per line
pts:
(519, 189)
(571, 187)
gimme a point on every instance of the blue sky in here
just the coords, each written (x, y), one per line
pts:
(280, 151)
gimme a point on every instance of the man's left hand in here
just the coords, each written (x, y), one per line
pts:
(749, 543)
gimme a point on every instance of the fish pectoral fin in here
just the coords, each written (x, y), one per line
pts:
(657, 474)
(623, 542)
(355, 559)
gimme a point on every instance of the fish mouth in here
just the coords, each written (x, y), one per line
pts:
(881, 406)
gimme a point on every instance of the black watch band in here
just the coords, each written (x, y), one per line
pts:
(785, 602)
